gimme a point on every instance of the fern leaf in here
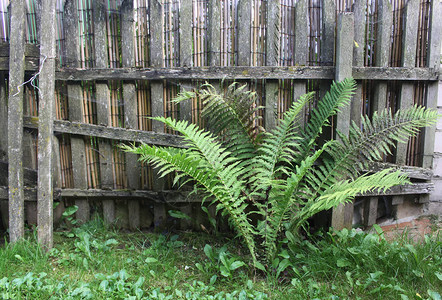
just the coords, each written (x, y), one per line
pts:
(347, 190)
(339, 95)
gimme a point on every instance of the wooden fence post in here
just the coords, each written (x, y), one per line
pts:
(75, 95)
(272, 59)
(46, 113)
(103, 108)
(156, 91)
(342, 216)
(244, 39)
(15, 120)
(130, 109)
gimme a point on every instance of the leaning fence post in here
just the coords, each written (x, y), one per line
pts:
(46, 113)
(15, 120)
(342, 216)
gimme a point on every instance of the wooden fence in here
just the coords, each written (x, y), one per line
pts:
(104, 66)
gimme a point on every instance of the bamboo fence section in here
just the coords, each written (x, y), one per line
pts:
(189, 34)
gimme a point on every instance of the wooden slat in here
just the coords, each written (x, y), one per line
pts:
(342, 215)
(383, 46)
(244, 38)
(412, 172)
(130, 109)
(272, 59)
(370, 211)
(434, 51)
(102, 95)
(157, 61)
(214, 32)
(45, 132)
(359, 10)
(409, 43)
(3, 119)
(301, 49)
(186, 50)
(130, 135)
(75, 98)
(245, 72)
(165, 196)
(15, 121)
(328, 32)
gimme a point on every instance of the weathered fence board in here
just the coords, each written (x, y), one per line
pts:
(130, 109)
(383, 47)
(406, 99)
(156, 91)
(15, 121)
(342, 216)
(102, 95)
(75, 96)
(433, 58)
(172, 196)
(130, 135)
(45, 125)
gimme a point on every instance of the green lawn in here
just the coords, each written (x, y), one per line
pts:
(99, 263)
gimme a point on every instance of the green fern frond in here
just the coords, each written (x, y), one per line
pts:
(284, 196)
(350, 154)
(276, 151)
(224, 190)
(347, 190)
(232, 117)
(339, 96)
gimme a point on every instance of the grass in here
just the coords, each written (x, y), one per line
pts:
(95, 262)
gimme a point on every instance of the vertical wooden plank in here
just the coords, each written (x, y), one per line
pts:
(130, 108)
(383, 46)
(328, 33)
(103, 107)
(344, 59)
(433, 58)
(342, 215)
(214, 31)
(3, 119)
(46, 111)
(359, 10)
(15, 120)
(272, 59)
(409, 43)
(370, 211)
(156, 90)
(75, 95)
(244, 39)
(186, 51)
(301, 49)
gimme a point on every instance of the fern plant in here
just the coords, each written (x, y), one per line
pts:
(282, 177)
